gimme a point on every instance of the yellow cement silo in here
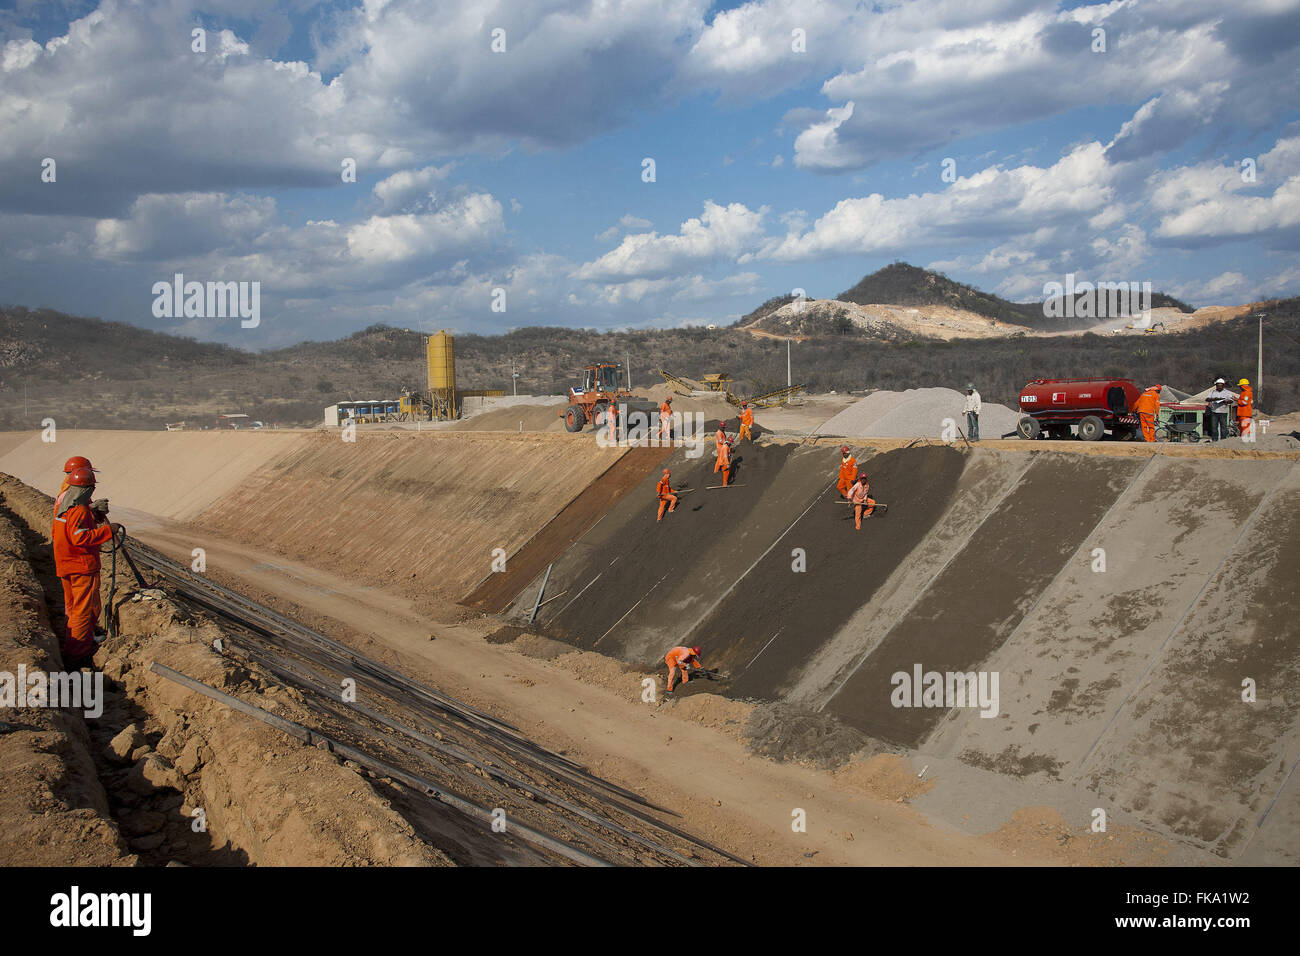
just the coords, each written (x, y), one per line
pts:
(442, 374)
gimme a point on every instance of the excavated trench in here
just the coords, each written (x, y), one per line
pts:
(162, 777)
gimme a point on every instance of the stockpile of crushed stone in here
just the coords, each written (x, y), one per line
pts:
(915, 413)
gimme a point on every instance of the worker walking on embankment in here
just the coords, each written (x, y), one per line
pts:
(1245, 410)
(848, 471)
(862, 504)
(746, 423)
(76, 535)
(666, 419)
(723, 463)
(1147, 408)
(972, 410)
(664, 492)
(681, 658)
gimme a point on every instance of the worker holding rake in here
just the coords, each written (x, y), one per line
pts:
(666, 419)
(723, 463)
(863, 505)
(664, 492)
(681, 658)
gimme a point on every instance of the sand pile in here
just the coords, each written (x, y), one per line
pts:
(710, 404)
(535, 418)
(915, 413)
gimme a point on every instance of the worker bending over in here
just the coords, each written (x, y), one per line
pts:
(746, 422)
(681, 657)
(666, 419)
(862, 504)
(76, 536)
(664, 492)
(1148, 407)
(848, 471)
(1245, 410)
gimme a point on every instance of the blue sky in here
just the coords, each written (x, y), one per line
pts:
(521, 170)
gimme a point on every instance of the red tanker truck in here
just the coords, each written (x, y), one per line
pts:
(1051, 407)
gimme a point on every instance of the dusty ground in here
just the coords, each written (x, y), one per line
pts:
(55, 810)
(123, 787)
(690, 755)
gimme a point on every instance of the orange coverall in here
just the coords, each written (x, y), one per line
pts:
(848, 475)
(1148, 407)
(746, 423)
(862, 504)
(665, 421)
(666, 497)
(724, 462)
(76, 542)
(611, 415)
(1245, 409)
(679, 657)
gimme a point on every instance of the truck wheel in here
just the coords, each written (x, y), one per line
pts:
(1091, 428)
(574, 418)
(1028, 428)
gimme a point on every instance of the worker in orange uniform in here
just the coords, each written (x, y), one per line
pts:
(681, 657)
(666, 419)
(724, 462)
(611, 416)
(69, 466)
(720, 441)
(76, 536)
(1245, 410)
(848, 471)
(862, 504)
(746, 422)
(664, 492)
(1148, 407)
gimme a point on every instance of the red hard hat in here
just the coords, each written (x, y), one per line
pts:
(695, 650)
(862, 476)
(844, 448)
(82, 477)
(667, 472)
(75, 462)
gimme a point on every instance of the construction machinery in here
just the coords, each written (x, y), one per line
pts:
(717, 381)
(767, 399)
(1051, 406)
(600, 388)
(682, 386)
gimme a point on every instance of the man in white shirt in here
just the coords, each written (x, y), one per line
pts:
(1217, 403)
(972, 410)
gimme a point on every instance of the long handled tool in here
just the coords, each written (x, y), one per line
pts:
(878, 506)
(711, 487)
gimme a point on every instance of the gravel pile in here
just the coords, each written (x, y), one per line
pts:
(915, 413)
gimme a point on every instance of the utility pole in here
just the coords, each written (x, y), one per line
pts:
(514, 377)
(1259, 367)
(627, 356)
(788, 380)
